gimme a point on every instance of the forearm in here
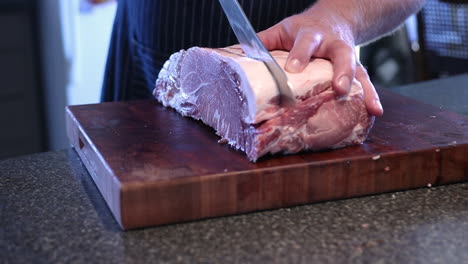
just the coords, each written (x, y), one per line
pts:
(368, 19)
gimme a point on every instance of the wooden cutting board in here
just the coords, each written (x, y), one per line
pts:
(156, 167)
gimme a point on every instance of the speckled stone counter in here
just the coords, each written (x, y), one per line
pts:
(51, 212)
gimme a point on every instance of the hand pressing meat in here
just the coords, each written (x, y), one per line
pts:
(238, 97)
(330, 29)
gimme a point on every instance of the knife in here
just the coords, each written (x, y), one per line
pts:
(254, 48)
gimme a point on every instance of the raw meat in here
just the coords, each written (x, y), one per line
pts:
(238, 97)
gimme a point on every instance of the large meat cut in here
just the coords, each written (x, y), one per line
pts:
(238, 97)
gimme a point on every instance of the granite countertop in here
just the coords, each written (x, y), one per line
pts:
(51, 212)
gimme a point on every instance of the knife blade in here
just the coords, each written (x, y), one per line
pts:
(254, 48)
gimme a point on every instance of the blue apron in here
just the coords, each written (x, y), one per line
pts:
(147, 32)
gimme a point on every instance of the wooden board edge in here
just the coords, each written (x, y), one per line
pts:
(108, 185)
(145, 205)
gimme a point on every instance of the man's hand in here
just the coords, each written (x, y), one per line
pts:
(309, 35)
(330, 29)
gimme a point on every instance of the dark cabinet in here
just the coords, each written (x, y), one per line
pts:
(22, 123)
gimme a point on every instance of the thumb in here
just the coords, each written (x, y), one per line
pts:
(271, 38)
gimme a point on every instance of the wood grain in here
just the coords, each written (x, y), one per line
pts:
(156, 167)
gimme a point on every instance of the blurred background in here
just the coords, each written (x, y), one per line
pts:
(53, 52)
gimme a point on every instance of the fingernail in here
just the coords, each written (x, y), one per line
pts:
(378, 105)
(294, 66)
(344, 83)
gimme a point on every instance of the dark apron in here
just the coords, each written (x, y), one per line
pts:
(147, 32)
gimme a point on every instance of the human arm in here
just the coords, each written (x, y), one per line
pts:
(330, 29)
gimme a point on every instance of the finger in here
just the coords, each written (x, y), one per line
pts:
(371, 98)
(344, 65)
(271, 37)
(305, 45)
